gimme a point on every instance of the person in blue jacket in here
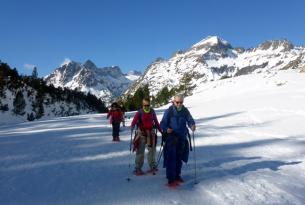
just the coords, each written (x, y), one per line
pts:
(174, 124)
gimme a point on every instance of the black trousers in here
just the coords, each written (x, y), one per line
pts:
(115, 129)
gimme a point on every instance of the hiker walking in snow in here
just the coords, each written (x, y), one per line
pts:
(176, 149)
(116, 117)
(147, 123)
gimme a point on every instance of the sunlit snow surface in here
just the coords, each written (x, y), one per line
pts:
(249, 148)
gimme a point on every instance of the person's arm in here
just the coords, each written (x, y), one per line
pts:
(121, 116)
(135, 120)
(190, 121)
(165, 127)
(109, 114)
(157, 124)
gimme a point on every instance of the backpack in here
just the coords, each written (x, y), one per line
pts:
(141, 112)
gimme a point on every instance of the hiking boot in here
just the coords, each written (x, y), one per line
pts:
(138, 172)
(152, 170)
(172, 184)
(179, 179)
(116, 139)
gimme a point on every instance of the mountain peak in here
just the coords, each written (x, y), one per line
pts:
(66, 62)
(211, 41)
(89, 64)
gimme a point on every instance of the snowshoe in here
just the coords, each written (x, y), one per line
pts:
(138, 172)
(116, 139)
(152, 171)
(179, 180)
(172, 185)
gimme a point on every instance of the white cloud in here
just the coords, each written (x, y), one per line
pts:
(66, 61)
(29, 66)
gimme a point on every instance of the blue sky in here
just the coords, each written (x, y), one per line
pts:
(132, 33)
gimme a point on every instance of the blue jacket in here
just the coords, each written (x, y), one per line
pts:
(177, 121)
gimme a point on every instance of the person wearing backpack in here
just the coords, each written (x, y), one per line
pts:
(116, 116)
(146, 121)
(174, 126)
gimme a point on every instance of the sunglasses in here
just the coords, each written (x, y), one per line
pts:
(179, 102)
(146, 105)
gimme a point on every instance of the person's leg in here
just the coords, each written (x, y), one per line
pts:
(151, 155)
(139, 160)
(113, 131)
(116, 130)
(171, 159)
(180, 148)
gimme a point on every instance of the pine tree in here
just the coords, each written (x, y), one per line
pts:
(30, 117)
(34, 73)
(140, 94)
(163, 96)
(37, 105)
(3, 108)
(185, 84)
(129, 103)
(19, 104)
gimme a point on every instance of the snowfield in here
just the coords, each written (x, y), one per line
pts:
(250, 149)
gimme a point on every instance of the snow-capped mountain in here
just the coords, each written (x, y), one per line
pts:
(133, 75)
(105, 83)
(214, 58)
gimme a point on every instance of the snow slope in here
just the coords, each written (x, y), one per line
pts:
(249, 150)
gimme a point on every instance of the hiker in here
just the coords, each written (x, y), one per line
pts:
(116, 117)
(147, 123)
(176, 148)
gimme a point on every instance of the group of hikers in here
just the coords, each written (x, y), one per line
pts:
(173, 128)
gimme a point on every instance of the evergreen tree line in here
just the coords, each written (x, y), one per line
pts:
(134, 102)
(10, 79)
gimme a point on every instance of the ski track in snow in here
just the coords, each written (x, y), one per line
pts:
(248, 152)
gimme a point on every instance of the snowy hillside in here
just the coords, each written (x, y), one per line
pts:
(105, 83)
(50, 107)
(249, 149)
(28, 98)
(214, 58)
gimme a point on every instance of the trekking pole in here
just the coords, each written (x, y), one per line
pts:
(194, 153)
(160, 155)
(161, 149)
(129, 165)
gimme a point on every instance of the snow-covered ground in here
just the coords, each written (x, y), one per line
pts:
(249, 150)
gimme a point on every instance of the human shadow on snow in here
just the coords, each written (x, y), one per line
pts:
(274, 165)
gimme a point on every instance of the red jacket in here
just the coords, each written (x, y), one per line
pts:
(147, 121)
(115, 115)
